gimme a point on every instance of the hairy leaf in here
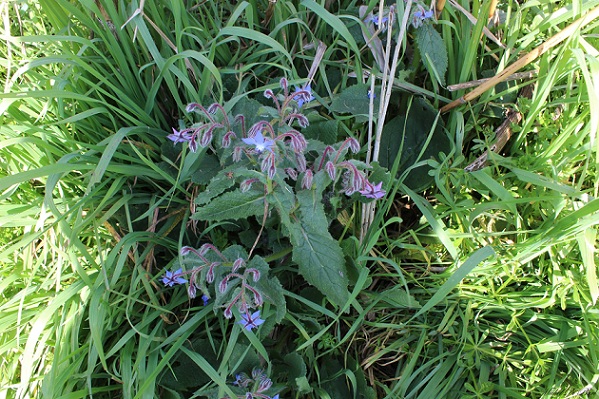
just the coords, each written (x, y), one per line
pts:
(317, 254)
(218, 185)
(232, 205)
(354, 100)
(433, 51)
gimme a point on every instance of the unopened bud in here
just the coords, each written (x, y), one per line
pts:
(307, 180)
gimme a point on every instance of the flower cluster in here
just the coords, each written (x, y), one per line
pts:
(238, 281)
(421, 15)
(379, 22)
(258, 382)
(279, 153)
(203, 133)
(353, 179)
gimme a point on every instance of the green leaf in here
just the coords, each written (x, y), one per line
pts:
(399, 298)
(184, 373)
(433, 51)
(208, 167)
(232, 205)
(317, 254)
(218, 185)
(270, 287)
(321, 129)
(408, 138)
(354, 100)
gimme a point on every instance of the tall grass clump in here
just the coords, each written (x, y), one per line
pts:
(237, 199)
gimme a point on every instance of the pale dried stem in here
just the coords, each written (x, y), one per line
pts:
(525, 59)
(387, 80)
(478, 82)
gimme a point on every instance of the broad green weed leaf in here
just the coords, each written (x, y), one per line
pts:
(433, 51)
(409, 137)
(354, 100)
(218, 185)
(207, 169)
(318, 255)
(232, 205)
(399, 298)
(321, 129)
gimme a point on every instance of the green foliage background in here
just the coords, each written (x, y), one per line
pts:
(95, 203)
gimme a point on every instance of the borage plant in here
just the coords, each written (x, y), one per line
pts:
(292, 187)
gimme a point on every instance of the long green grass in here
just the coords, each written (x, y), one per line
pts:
(482, 286)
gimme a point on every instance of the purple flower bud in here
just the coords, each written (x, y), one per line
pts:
(213, 108)
(186, 250)
(258, 298)
(210, 274)
(302, 120)
(272, 171)
(283, 83)
(237, 151)
(265, 164)
(239, 262)
(228, 313)
(206, 138)
(222, 286)
(350, 190)
(307, 180)
(246, 185)
(204, 249)
(358, 180)
(192, 107)
(257, 373)
(292, 173)
(265, 383)
(191, 291)
(354, 145)
(301, 162)
(298, 142)
(193, 145)
(331, 170)
(255, 274)
(226, 142)
(268, 93)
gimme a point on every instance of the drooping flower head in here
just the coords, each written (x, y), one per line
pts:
(302, 95)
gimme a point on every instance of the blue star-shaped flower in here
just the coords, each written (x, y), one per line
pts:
(251, 321)
(171, 278)
(260, 142)
(375, 20)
